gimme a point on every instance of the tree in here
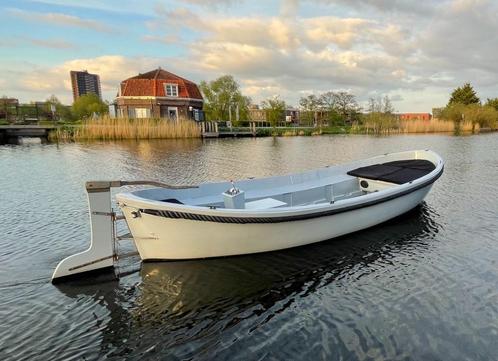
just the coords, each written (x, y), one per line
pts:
(485, 116)
(380, 117)
(387, 106)
(464, 95)
(223, 99)
(492, 103)
(309, 106)
(87, 105)
(275, 110)
(454, 112)
(328, 103)
(62, 112)
(346, 105)
(328, 100)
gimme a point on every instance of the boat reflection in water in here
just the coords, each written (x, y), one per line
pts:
(181, 308)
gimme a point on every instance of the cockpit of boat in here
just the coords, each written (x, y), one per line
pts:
(326, 185)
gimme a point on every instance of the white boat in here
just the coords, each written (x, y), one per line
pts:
(257, 215)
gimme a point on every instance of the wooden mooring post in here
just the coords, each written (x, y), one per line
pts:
(209, 130)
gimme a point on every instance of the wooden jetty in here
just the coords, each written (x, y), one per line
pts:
(12, 133)
(213, 130)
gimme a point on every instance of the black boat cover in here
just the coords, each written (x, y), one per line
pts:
(398, 172)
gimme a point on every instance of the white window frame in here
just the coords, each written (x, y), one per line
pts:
(173, 90)
(176, 113)
(141, 113)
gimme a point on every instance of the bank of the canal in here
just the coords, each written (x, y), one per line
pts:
(424, 286)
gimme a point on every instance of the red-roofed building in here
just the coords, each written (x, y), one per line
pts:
(415, 116)
(159, 94)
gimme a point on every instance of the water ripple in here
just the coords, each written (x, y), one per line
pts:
(423, 286)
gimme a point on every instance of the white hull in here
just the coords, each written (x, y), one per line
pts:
(175, 239)
(267, 214)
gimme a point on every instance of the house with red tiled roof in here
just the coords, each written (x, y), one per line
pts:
(159, 94)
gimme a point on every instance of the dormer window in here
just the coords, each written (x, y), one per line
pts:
(171, 90)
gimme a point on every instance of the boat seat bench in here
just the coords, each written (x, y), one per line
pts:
(255, 194)
(397, 172)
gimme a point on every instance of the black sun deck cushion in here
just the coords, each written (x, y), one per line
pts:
(398, 172)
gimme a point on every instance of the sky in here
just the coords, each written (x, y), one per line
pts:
(415, 52)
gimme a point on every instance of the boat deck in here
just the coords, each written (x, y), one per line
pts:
(397, 172)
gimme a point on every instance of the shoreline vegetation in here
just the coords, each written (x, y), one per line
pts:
(106, 128)
(331, 112)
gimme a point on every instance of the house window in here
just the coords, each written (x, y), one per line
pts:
(142, 112)
(138, 113)
(171, 90)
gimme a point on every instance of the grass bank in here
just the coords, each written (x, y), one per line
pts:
(107, 128)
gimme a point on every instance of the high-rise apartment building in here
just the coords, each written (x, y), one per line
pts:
(83, 83)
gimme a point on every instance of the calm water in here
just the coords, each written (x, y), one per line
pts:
(422, 287)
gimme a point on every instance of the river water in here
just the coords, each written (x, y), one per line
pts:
(422, 287)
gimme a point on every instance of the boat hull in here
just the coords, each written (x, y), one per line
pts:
(176, 239)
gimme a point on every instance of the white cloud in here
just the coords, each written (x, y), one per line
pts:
(166, 39)
(212, 3)
(412, 51)
(51, 43)
(40, 82)
(60, 19)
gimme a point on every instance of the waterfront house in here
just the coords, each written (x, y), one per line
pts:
(159, 94)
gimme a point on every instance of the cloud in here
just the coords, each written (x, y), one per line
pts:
(412, 51)
(212, 3)
(404, 49)
(289, 8)
(289, 55)
(60, 19)
(14, 42)
(51, 43)
(166, 39)
(43, 81)
(387, 6)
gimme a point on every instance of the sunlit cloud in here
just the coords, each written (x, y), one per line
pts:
(411, 51)
(60, 19)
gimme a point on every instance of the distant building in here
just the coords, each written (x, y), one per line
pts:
(292, 115)
(414, 116)
(84, 83)
(159, 94)
(256, 114)
(8, 106)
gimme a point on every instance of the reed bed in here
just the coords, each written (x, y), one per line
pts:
(436, 126)
(418, 126)
(107, 128)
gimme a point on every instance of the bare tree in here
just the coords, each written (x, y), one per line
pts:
(309, 106)
(387, 106)
(328, 101)
(346, 105)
